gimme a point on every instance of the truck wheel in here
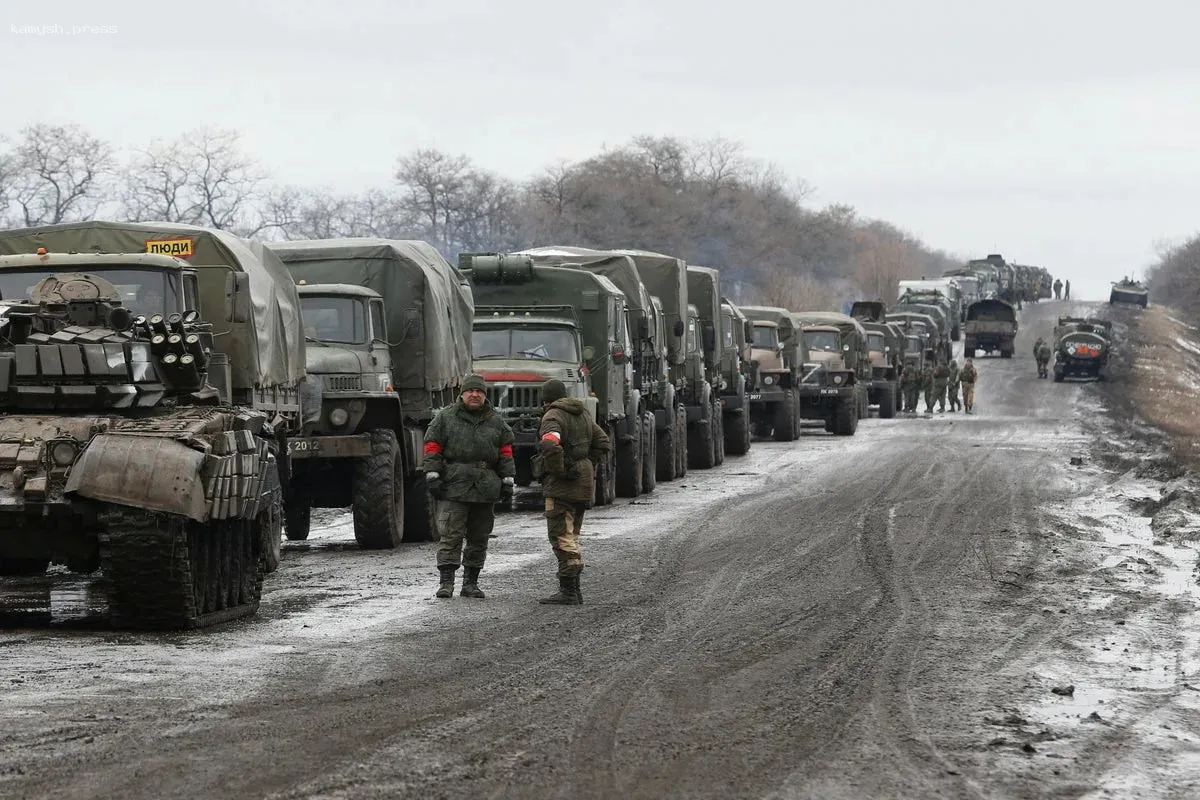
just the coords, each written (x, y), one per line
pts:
(629, 462)
(784, 427)
(681, 442)
(737, 432)
(845, 420)
(1058, 376)
(719, 435)
(420, 523)
(378, 494)
(649, 453)
(606, 476)
(297, 508)
(667, 463)
(887, 402)
(700, 451)
(761, 429)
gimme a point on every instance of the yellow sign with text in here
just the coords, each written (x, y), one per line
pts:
(180, 248)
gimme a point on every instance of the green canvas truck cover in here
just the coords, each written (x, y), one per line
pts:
(704, 292)
(665, 278)
(619, 269)
(429, 305)
(273, 355)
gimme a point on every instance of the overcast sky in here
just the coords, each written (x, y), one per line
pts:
(1062, 133)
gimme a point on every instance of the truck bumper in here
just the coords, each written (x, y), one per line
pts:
(733, 402)
(354, 446)
(766, 396)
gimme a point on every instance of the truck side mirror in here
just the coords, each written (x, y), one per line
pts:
(237, 297)
(679, 328)
(708, 337)
(749, 331)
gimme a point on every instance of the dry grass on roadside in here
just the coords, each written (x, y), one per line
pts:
(1164, 379)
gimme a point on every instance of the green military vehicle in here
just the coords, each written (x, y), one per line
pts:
(777, 358)
(926, 327)
(1129, 291)
(938, 308)
(534, 323)
(147, 402)
(389, 327)
(737, 336)
(657, 345)
(1082, 346)
(991, 326)
(722, 359)
(836, 392)
(885, 347)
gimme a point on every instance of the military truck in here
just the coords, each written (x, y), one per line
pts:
(365, 445)
(1082, 346)
(924, 325)
(991, 326)
(737, 336)
(536, 323)
(147, 403)
(885, 347)
(778, 359)
(837, 391)
(944, 291)
(722, 359)
(658, 349)
(1129, 291)
(938, 308)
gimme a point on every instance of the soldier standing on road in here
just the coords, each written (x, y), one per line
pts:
(469, 467)
(910, 385)
(1067, 290)
(927, 383)
(569, 445)
(1058, 289)
(952, 387)
(941, 379)
(1042, 352)
(968, 376)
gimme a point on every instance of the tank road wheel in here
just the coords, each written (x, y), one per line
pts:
(629, 462)
(785, 427)
(419, 520)
(719, 434)
(887, 402)
(13, 567)
(606, 477)
(700, 451)
(165, 572)
(737, 432)
(681, 442)
(378, 494)
(845, 420)
(649, 453)
(667, 464)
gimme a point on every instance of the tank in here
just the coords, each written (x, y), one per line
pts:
(1129, 291)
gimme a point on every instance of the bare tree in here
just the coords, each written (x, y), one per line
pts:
(201, 178)
(296, 213)
(58, 173)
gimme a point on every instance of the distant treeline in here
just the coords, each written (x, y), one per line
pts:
(704, 201)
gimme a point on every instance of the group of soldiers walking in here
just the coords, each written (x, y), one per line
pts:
(469, 467)
(940, 384)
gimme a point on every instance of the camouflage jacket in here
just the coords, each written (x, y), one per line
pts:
(1043, 353)
(968, 374)
(941, 375)
(471, 450)
(910, 375)
(927, 376)
(954, 376)
(569, 444)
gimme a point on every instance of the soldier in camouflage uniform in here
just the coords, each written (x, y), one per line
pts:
(941, 379)
(910, 384)
(569, 445)
(927, 383)
(952, 387)
(967, 375)
(468, 468)
(1042, 352)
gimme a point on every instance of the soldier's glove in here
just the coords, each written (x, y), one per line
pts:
(433, 482)
(506, 488)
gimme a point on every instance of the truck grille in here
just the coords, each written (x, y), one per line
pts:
(342, 383)
(515, 398)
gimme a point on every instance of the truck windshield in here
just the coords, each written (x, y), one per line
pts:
(143, 291)
(875, 342)
(541, 343)
(822, 340)
(334, 319)
(766, 336)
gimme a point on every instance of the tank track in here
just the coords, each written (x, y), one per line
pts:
(166, 572)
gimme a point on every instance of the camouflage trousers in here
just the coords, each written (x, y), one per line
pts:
(929, 397)
(968, 395)
(939, 395)
(564, 520)
(912, 395)
(458, 522)
(952, 396)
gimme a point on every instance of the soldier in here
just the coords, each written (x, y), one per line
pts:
(952, 387)
(1058, 289)
(569, 445)
(1067, 290)
(1042, 352)
(941, 378)
(968, 376)
(468, 467)
(927, 382)
(910, 384)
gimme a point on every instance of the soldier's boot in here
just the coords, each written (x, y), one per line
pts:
(470, 587)
(567, 594)
(446, 589)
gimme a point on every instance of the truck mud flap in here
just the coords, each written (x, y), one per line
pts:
(147, 472)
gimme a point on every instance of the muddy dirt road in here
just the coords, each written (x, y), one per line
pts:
(862, 617)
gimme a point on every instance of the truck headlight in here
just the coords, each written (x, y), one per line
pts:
(768, 380)
(338, 417)
(837, 380)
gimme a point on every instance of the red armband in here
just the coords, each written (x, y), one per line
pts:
(432, 447)
(552, 436)
(506, 450)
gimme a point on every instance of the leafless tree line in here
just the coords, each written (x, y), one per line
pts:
(1174, 278)
(705, 201)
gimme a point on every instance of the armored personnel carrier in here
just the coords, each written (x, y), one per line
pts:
(1130, 291)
